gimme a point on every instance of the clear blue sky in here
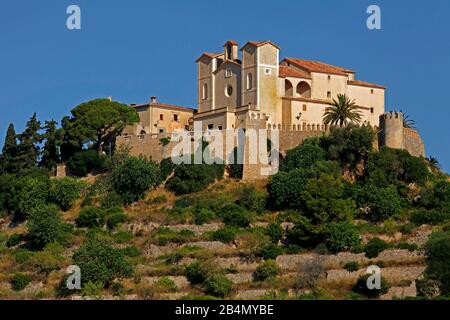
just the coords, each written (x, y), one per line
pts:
(134, 49)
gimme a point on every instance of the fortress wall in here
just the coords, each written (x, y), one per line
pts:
(147, 145)
(413, 143)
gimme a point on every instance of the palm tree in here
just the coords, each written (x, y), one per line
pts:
(342, 112)
(433, 163)
(408, 122)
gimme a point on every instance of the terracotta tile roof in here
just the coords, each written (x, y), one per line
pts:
(210, 55)
(294, 73)
(164, 106)
(316, 66)
(259, 44)
(365, 84)
(232, 42)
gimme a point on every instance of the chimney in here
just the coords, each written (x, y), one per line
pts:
(153, 99)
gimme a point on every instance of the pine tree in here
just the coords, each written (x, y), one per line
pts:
(9, 151)
(50, 152)
(29, 144)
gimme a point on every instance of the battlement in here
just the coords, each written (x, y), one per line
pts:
(392, 115)
(300, 127)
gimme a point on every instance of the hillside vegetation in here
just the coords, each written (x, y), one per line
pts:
(142, 230)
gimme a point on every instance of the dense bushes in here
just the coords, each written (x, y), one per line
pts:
(269, 251)
(381, 203)
(266, 270)
(342, 236)
(196, 272)
(251, 199)
(46, 226)
(134, 177)
(100, 262)
(218, 285)
(394, 166)
(29, 194)
(303, 156)
(235, 216)
(225, 234)
(83, 162)
(64, 192)
(20, 281)
(91, 217)
(374, 247)
(438, 260)
(190, 178)
(285, 188)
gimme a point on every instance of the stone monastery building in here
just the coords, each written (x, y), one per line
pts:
(288, 93)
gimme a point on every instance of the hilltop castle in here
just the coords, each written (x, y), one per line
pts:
(257, 90)
(287, 93)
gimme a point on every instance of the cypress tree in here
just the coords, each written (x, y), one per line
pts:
(29, 144)
(50, 153)
(9, 151)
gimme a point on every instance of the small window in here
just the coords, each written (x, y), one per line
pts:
(161, 130)
(329, 77)
(229, 91)
(205, 91)
(175, 117)
(228, 73)
(249, 81)
(220, 127)
(304, 107)
(329, 94)
(372, 110)
(161, 117)
(210, 126)
(268, 71)
(371, 91)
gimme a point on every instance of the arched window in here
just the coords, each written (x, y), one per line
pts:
(205, 91)
(289, 92)
(303, 90)
(249, 81)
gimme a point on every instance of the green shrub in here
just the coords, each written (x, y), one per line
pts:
(235, 216)
(269, 251)
(203, 215)
(275, 232)
(303, 156)
(251, 199)
(394, 166)
(134, 177)
(165, 235)
(432, 217)
(350, 145)
(322, 200)
(14, 240)
(46, 226)
(189, 178)
(383, 203)
(84, 162)
(20, 281)
(115, 219)
(294, 249)
(342, 236)
(304, 233)
(166, 167)
(91, 217)
(285, 188)
(438, 260)
(225, 234)
(218, 286)
(197, 272)
(46, 261)
(407, 246)
(31, 194)
(374, 247)
(22, 255)
(362, 288)
(111, 200)
(131, 251)
(266, 270)
(123, 236)
(165, 284)
(100, 262)
(64, 192)
(352, 266)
